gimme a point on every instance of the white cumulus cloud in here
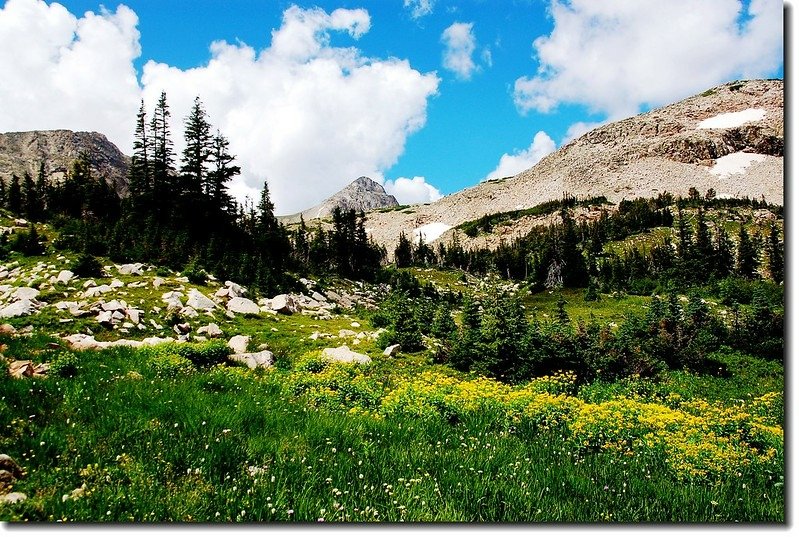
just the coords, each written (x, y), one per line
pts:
(411, 191)
(302, 114)
(60, 71)
(615, 56)
(509, 165)
(419, 8)
(459, 45)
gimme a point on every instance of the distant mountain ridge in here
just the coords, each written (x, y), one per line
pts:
(729, 138)
(22, 152)
(363, 194)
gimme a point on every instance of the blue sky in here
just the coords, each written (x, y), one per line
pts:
(524, 77)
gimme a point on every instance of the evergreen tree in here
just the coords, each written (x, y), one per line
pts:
(775, 256)
(163, 156)
(140, 165)
(683, 238)
(746, 262)
(15, 195)
(30, 198)
(723, 257)
(444, 326)
(703, 245)
(198, 150)
(43, 191)
(403, 253)
(216, 184)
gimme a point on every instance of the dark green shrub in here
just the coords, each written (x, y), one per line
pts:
(64, 365)
(87, 266)
(195, 273)
(170, 365)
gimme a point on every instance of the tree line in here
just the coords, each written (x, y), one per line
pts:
(179, 213)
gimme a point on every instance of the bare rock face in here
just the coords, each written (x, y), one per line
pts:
(669, 149)
(363, 194)
(22, 152)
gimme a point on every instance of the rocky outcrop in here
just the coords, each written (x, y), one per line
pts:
(666, 149)
(22, 152)
(363, 194)
(344, 354)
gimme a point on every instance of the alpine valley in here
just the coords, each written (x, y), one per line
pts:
(598, 338)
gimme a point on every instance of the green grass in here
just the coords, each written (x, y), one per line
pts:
(227, 444)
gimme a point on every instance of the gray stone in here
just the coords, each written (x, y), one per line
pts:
(344, 332)
(104, 317)
(24, 293)
(64, 276)
(283, 304)
(243, 305)
(392, 350)
(254, 360)
(210, 330)
(238, 344)
(133, 314)
(18, 309)
(344, 354)
(182, 328)
(132, 268)
(114, 305)
(236, 289)
(12, 497)
(199, 301)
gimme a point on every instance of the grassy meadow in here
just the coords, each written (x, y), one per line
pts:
(129, 435)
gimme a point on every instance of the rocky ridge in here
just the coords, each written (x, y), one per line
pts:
(22, 152)
(363, 194)
(662, 150)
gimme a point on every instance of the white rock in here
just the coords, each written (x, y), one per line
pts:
(222, 292)
(116, 284)
(104, 317)
(283, 304)
(24, 293)
(12, 497)
(132, 268)
(133, 315)
(346, 333)
(64, 276)
(254, 360)
(199, 301)
(391, 350)
(344, 354)
(237, 290)
(238, 344)
(89, 283)
(355, 324)
(158, 282)
(18, 309)
(210, 330)
(243, 305)
(189, 312)
(114, 305)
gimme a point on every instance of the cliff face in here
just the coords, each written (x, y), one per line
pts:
(363, 194)
(729, 138)
(22, 152)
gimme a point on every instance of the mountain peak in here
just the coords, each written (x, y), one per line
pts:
(363, 194)
(22, 152)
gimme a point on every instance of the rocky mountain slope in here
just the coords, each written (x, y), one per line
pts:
(57, 149)
(729, 138)
(363, 194)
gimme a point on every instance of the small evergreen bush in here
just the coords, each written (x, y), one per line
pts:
(64, 365)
